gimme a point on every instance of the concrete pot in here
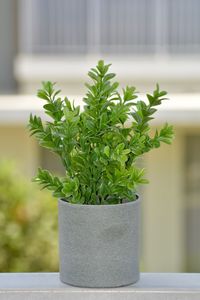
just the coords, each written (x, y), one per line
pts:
(99, 244)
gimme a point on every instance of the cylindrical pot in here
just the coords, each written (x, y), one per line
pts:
(99, 244)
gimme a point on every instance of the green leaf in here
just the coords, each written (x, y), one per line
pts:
(98, 148)
(107, 151)
(47, 180)
(129, 93)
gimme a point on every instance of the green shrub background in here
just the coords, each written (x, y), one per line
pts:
(28, 224)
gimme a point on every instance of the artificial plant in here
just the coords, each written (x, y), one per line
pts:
(99, 145)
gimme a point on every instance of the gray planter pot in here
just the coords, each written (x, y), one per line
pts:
(99, 244)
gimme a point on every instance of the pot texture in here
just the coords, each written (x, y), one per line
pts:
(99, 244)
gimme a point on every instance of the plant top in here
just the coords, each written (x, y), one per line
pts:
(100, 145)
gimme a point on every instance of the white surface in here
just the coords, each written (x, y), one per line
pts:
(34, 68)
(181, 109)
(152, 286)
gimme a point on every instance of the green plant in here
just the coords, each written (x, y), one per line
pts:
(28, 224)
(97, 147)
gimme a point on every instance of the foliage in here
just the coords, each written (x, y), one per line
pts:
(97, 147)
(28, 229)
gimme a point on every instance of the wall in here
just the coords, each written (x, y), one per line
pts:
(18, 146)
(8, 45)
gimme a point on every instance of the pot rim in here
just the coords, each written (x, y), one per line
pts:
(135, 202)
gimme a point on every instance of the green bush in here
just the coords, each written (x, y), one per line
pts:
(100, 145)
(28, 224)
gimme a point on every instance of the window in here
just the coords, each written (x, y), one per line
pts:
(109, 26)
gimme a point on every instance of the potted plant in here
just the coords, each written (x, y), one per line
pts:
(99, 210)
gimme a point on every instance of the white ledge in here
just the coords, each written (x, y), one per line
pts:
(37, 67)
(152, 286)
(181, 109)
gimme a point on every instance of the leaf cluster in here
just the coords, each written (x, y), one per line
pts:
(100, 145)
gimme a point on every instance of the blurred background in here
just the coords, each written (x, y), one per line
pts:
(147, 41)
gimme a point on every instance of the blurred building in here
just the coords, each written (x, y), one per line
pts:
(147, 41)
